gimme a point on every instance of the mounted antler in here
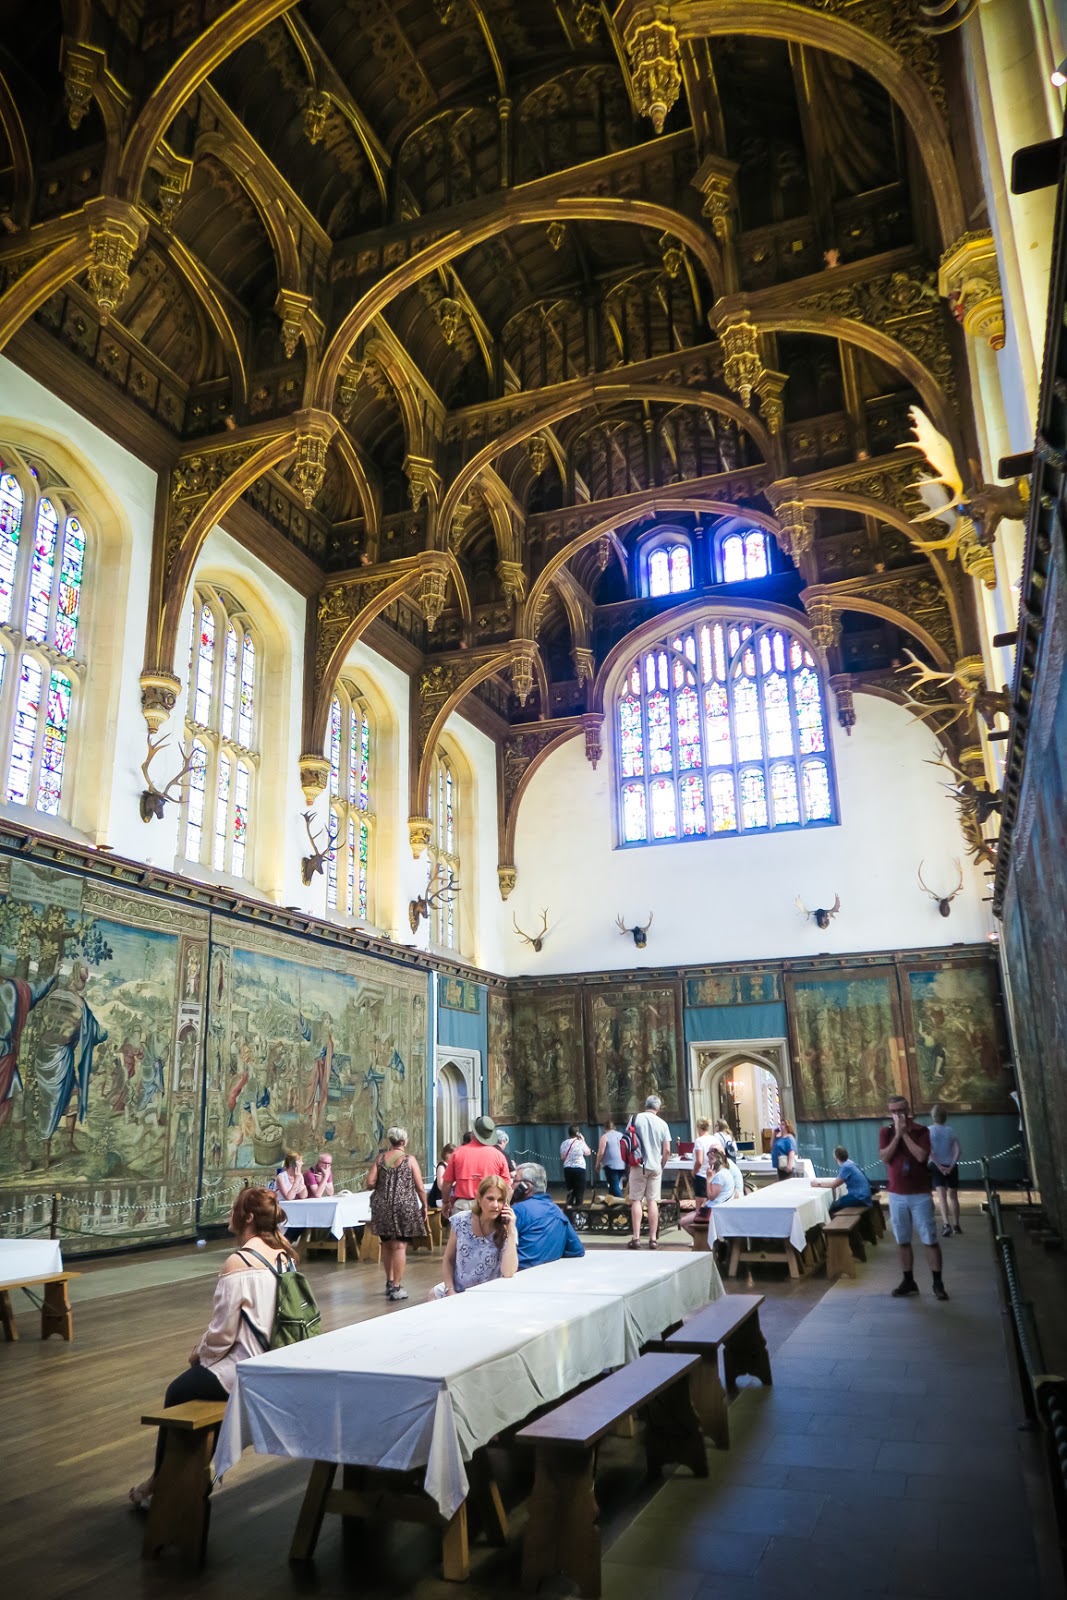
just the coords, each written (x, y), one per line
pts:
(640, 935)
(538, 939)
(153, 800)
(944, 901)
(423, 904)
(977, 699)
(822, 914)
(985, 505)
(976, 805)
(313, 863)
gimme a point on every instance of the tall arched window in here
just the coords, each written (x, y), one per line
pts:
(744, 554)
(42, 564)
(722, 730)
(348, 866)
(668, 565)
(444, 846)
(221, 727)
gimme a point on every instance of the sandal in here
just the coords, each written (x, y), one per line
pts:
(653, 1244)
(634, 1244)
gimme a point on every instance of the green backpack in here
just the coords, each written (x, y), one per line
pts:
(296, 1316)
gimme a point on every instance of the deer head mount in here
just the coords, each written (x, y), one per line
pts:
(822, 914)
(537, 939)
(976, 698)
(976, 804)
(153, 800)
(313, 863)
(986, 504)
(640, 935)
(944, 901)
(441, 887)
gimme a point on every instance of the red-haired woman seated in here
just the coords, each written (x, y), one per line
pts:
(246, 1292)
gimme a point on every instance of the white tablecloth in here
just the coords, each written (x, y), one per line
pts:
(780, 1211)
(423, 1387)
(749, 1166)
(29, 1258)
(657, 1287)
(336, 1212)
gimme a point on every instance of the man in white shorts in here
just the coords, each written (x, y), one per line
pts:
(646, 1180)
(905, 1151)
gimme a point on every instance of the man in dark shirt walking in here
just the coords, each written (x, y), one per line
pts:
(905, 1151)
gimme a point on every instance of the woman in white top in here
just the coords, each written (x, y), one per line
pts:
(703, 1142)
(290, 1182)
(574, 1153)
(245, 1287)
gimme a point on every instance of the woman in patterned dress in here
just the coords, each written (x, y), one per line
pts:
(482, 1244)
(397, 1208)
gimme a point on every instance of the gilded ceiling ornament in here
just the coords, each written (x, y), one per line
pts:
(603, 552)
(422, 479)
(796, 521)
(159, 695)
(512, 580)
(716, 178)
(770, 386)
(587, 21)
(653, 51)
(592, 728)
(460, 521)
(420, 832)
(841, 684)
(293, 309)
(316, 111)
(742, 366)
(79, 77)
(111, 248)
(524, 653)
(433, 588)
(314, 776)
(969, 279)
(671, 254)
(309, 472)
(449, 314)
(348, 389)
(506, 877)
(445, 10)
(537, 453)
(171, 193)
(825, 622)
(584, 663)
(557, 232)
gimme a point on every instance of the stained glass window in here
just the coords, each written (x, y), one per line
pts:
(11, 503)
(670, 569)
(54, 749)
(68, 604)
(42, 570)
(221, 724)
(23, 743)
(350, 748)
(444, 855)
(721, 729)
(744, 556)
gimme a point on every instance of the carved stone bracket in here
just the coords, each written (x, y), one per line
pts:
(314, 776)
(506, 878)
(422, 478)
(841, 684)
(159, 695)
(654, 73)
(796, 520)
(593, 728)
(512, 577)
(420, 832)
(969, 279)
(523, 660)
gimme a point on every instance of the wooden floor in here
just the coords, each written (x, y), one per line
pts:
(73, 1446)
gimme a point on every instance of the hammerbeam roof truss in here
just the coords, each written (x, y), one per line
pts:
(442, 305)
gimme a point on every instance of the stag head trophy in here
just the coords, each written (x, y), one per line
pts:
(822, 914)
(439, 888)
(313, 863)
(537, 939)
(153, 800)
(640, 935)
(943, 901)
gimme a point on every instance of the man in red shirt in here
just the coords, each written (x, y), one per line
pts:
(905, 1151)
(469, 1164)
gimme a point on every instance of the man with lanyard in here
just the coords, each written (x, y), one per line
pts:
(905, 1151)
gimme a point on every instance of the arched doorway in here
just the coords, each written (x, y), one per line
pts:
(457, 1098)
(745, 1082)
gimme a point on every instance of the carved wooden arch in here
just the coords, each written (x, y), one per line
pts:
(421, 773)
(21, 158)
(508, 820)
(785, 19)
(592, 391)
(679, 617)
(899, 619)
(656, 500)
(510, 208)
(841, 500)
(499, 506)
(236, 25)
(268, 207)
(318, 717)
(64, 244)
(170, 582)
(572, 595)
(190, 270)
(366, 479)
(416, 435)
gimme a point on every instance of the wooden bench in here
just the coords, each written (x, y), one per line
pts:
(181, 1506)
(730, 1324)
(562, 1534)
(844, 1243)
(55, 1309)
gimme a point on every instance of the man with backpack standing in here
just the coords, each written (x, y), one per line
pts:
(653, 1140)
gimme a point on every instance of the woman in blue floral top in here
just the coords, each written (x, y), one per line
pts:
(482, 1244)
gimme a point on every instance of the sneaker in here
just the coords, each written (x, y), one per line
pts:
(389, 1286)
(904, 1287)
(940, 1292)
(397, 1293)
(957, 1228)
(946, 1232)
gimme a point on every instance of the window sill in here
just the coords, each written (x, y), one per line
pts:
(197, 873)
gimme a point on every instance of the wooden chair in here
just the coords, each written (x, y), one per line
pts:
(844, 1243)
(181, 1507)
(56, 1316)
(562, 1533)
(730, 1324)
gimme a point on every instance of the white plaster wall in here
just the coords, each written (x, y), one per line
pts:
(133, 486)
(733, 899)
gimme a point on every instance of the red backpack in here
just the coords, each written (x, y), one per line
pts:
(630, 1145)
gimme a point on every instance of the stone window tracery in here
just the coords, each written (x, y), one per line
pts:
(444, 847)
(667, 562)
(221, 729)
(349, 863)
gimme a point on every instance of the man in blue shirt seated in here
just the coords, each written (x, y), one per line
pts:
(857, 1188)
(544, 1234)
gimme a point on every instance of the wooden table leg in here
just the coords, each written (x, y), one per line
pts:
(55, 1311)
(484, 1498)
(7, 1317)
(312, 1511)
(455, 1548)
(562, 1533)
(342, 1248)
(795, 1260)
(709, 1401)
(735, 1257)
(673, 1431)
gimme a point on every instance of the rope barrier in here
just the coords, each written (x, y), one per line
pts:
(876, 1166)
